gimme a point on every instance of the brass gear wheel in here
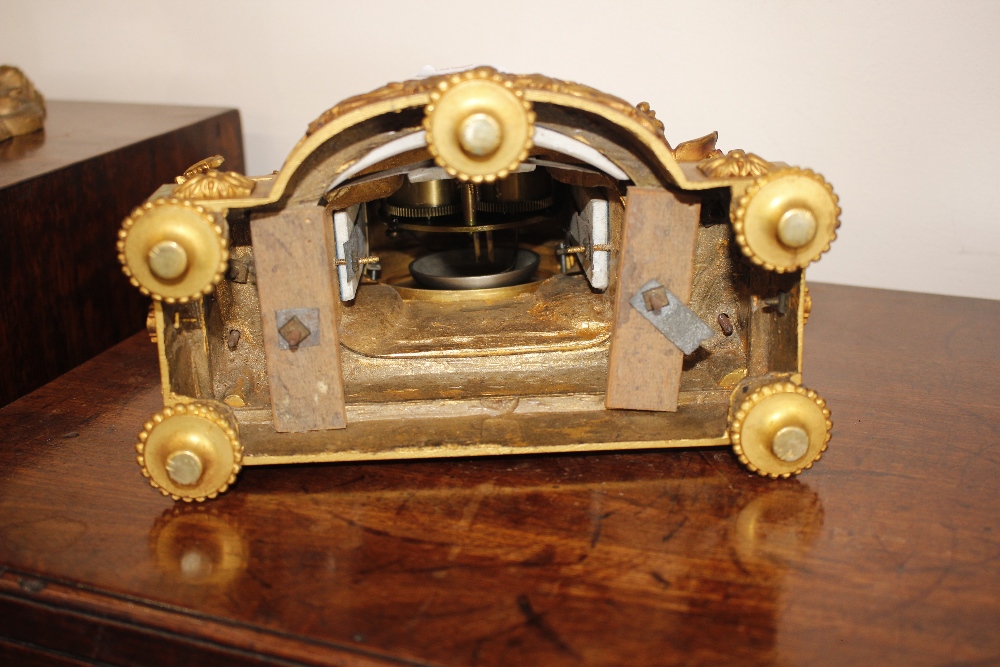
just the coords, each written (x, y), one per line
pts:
(190, 451)
(780, 429)
(479, 125)
(173, 250)
(786, 219)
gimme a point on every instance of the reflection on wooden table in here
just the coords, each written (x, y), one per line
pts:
(885, 552)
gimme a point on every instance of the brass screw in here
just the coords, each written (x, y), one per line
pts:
(573, 249)
(184, 468)
(168, 260)
(790, 443)
(797, 228)
(480, 134)
(362, 261)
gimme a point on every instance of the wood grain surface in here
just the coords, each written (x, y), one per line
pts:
(63, 195)
(658, 243)
(887, 552)
(294, 253)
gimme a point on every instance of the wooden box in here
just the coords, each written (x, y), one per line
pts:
(63, 194)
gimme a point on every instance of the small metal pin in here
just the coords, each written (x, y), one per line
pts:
(373, 271)
(563, 257)
(573, 249)
(656, 299)
(469, 196)
(188, 320)
(361, 261)
(725, 324)
(779, 302)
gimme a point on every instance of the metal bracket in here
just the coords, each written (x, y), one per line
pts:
(673, 319)
(349, 230)
(297, 327)
(589, 236)
(354, 249)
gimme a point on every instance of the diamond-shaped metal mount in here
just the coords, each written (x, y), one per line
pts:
(294, 332)
(297, 327)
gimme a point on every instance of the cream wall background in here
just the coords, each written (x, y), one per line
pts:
(897, 103)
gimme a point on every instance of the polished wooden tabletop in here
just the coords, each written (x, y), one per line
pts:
(886, 552)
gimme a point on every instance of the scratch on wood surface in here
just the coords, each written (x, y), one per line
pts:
(660, 578)
(537, 621)
(715, 468)
(595, 536)
(673, 531)
(469, 514)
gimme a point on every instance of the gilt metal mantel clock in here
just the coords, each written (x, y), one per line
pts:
(479, 263)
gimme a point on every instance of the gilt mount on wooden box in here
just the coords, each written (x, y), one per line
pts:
(22, 107)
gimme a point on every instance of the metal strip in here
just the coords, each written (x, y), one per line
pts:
(673, 319)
